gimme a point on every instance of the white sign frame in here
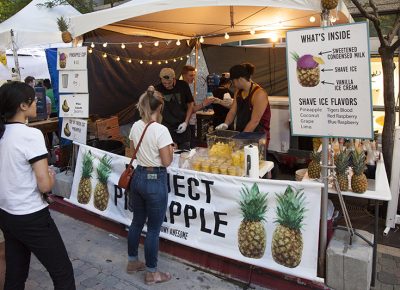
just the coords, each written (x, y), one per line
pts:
(72, 58)
(74, 106)
(339, 102)
(74, 129)
(73, 81)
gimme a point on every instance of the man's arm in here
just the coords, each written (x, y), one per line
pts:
(189, 112)
(260, 103)
(230, 117)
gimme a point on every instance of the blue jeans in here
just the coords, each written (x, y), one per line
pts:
(150, 198)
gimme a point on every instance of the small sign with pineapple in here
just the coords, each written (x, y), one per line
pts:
(72, 58)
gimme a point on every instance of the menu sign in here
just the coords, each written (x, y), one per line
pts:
(74, 129)
(329, 81)
(74, 58)
(73, 81)
(76, 106)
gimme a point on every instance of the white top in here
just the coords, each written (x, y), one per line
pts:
(156, 137)
(20, 147)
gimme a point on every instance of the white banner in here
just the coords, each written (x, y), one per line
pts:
(330, 81)
(74, 58)
(74, 106)
(75, 81)
(74, 129)
(204, 213)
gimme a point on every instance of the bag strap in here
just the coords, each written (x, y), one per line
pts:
(140, 142)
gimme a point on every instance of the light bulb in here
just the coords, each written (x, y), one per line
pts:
(274, 38)
(174, 60)
(181, 58)
(226, 35)
(105, 44)
(92, 45)
(118, 58)
(123, 46)
(104, 55)
(188, 56)
(166, 61)
(201, 39)
(159, 62)
(129, 60)
(140, 45)
(252, 31)
(312, 19)
(90, 50)
(178, 42)
(150, 62)
(141, 62)
(156, 43)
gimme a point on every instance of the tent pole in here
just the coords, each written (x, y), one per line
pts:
(15, 53)
(196, 63)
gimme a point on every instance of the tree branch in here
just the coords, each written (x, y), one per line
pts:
(393, 32)
(395, 45)
(373, 18)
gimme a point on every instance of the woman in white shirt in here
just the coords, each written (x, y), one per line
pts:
(25, 176)
(149, 185)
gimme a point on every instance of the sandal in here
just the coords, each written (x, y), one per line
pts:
(135, 266)
(156, 277)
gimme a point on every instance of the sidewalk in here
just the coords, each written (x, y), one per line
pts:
(99, 261)
(388, 268)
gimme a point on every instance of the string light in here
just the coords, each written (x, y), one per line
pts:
(157, 43)
(226, 35)
(123, 45)
(118, 58)
(150, 62)
(274, 37)
(174, 60)
(181, 58)
(141, 61)
(188, 56)
(312, 19)
(92, 45)
(104, 55)
(159, 62)
(252, 31)
(129, 60)
(90, 50)
(201, 39)
(166, 61)
(178, 42)
(140, 45)
(105, 44)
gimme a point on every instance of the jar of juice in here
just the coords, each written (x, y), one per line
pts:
(214, 168)
(223, 169)
(236, 159)
(205, 166)
(196, 164)
(232, 170)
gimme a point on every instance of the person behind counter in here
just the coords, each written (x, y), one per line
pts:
(148, 187)
(251, 106)
(25, 176)
(178, 105)
(222, 101)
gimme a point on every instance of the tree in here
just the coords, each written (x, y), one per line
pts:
(9, 7)
(387, 49)
(84, 6)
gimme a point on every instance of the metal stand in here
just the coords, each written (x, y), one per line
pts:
(15, 54)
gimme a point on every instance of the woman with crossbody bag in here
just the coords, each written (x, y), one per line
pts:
(149, 185)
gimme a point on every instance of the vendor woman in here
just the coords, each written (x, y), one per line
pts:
(251, 106)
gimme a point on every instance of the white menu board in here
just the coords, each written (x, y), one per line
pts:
(74, 129)
(74, 106)
(329, 81)
(73, 58)
(73, 81)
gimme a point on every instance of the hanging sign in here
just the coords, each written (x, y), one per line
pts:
(74, 58)
(330, 81)
(74, 129)
(73, 81)
(212, 212)
(74, 106)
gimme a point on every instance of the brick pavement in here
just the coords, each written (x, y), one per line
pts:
(388, 269)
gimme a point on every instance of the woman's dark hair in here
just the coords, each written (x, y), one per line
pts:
(47, 83)
(12, 95)
(244, 70)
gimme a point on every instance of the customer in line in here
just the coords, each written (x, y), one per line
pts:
(25, 178)
(148, 187)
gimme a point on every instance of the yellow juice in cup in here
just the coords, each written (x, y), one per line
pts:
(196, 165)
(236, 159)
(214, 168)
(205, 166)
(223, 169)
(232, 170)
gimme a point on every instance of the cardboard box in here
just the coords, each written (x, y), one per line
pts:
(112, 133)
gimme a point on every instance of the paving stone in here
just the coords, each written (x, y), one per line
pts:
(91, 272)
(90, 282)
(396, 287)
(387, 256)
(397, 259)
(387, 278)
(388, 269)
(386, 287)
(387, 262)
(111, 281)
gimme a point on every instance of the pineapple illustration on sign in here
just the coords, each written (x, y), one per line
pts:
(101, 193)
(342, 163)
(67, 131)
(251, 234)
(287, 241)
(314, 167)
(308, 71)
(359, 182)
(85, 184)
(65, 106)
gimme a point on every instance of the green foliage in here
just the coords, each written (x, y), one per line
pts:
(290, 209)
(87, 165)
(295, 56)
(342, 162)
(316, 156)
(358, 162)
(10, 7)
(83, 6)
(253, 203)
(104, 169)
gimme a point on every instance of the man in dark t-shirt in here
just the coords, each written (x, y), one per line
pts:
(178, 104)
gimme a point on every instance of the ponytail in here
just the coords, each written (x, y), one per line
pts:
(149, 103)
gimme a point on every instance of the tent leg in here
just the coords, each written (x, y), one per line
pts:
(15, 53)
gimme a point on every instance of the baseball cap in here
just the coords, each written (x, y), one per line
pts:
(167, 73)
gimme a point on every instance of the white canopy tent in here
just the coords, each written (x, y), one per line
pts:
(183, 19)
(34, 26)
